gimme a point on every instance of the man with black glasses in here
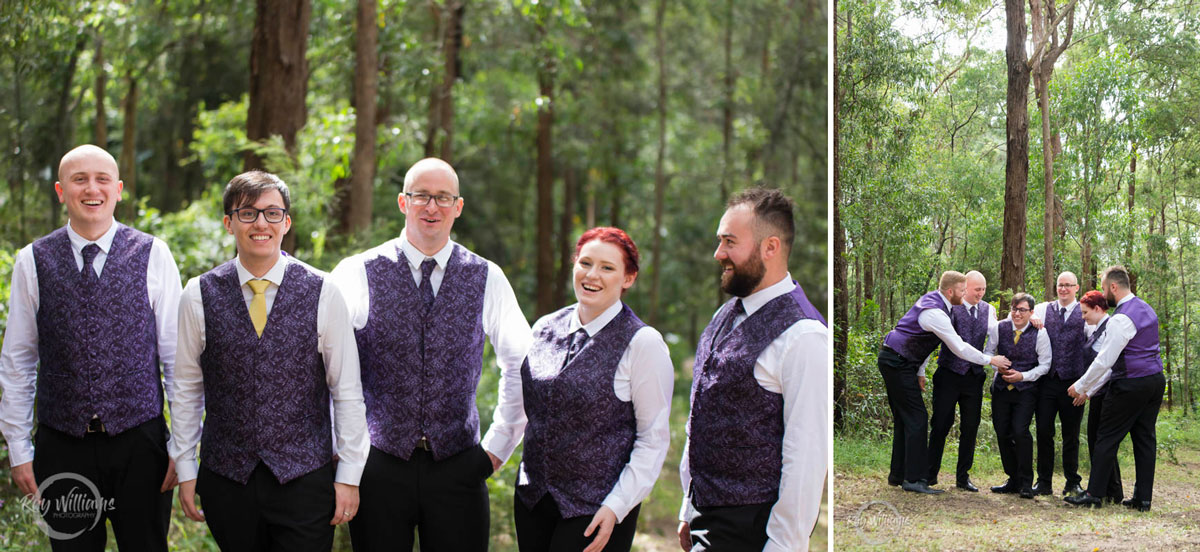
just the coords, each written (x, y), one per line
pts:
(421, 307)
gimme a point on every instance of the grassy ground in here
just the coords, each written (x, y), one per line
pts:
(959, 520)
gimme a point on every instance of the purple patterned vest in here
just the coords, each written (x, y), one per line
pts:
(972, 330)
(420, 373)
(580, 435)
(1140, 357)
(735, 454)
(1066, 341)
(1089, 355)
(908, 338)
(98, 347)
(1023, 355)
(266, 398)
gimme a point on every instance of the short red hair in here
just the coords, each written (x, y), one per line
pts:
(617, 237)
(1095, 299)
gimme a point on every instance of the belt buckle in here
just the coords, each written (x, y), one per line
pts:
(95, 426)
(423, 444)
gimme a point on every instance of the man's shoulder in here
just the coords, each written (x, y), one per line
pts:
(386, 250)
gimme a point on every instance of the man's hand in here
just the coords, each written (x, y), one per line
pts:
(22, 476)
(1000, 361)
(187, 499)
(346, 503)
(1080, 399)
(496, 462)
(1013, 376)
(1037, 322)
(685, 536)
(602, 524)
(171, 479)
(921, 382)
(1071, 392)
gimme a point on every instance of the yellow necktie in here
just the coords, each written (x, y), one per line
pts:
(258, 305)
(1016, 336)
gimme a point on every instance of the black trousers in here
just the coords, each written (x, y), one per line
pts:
(1130, 408)
(1012, 412)
(910, 449)
(1054, 401)
(951, 391)
(446, 502)
(1095, 412)
(730, 528)
(544, 529)
(264, 515)
(127, 470)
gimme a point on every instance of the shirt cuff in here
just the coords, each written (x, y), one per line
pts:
(498, 445)
(20, 452)
(186, 470)
(617, 506)
(348, 474)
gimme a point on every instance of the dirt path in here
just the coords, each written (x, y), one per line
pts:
(864, 518)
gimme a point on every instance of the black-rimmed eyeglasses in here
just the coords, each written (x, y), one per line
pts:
(248, 215)
(420, 199)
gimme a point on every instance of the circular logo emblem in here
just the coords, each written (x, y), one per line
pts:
(81, 501)
(877, 521)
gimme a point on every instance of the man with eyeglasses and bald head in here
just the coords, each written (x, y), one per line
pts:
(422, 306)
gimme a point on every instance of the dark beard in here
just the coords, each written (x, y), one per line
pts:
(744, 278)
(1112, 300)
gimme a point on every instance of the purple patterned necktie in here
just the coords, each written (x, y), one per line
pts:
(738, 310)
(426, 289)
(578, 339)
(89, 255)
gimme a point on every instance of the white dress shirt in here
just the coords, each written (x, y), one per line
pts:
(645, 376)
(503, 322)
(19, 356)
(1039, 310)
(795, 365)
(938, 322)
(991, 324)
(1043, 351)
(1117, 334)
(339, 350)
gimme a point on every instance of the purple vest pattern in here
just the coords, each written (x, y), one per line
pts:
(266, 399)
(420, 373)
(972, 330)
(1089, 355)
(1023, 354)
(908, 338)
(1140, 357)
(735, 454)
(1066, 341)
(97, 347)
(580, 435)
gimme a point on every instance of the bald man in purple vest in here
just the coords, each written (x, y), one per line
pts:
(925, 326)
(1063, 322)
(91, 316)
(266, 355)
(755, 459)
(422, 306)
(1130, 363)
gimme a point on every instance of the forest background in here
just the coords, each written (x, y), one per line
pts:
(558, 115)
(1020, 138)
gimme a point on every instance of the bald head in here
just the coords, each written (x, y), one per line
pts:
(430, 167)
(90, 156)
(976, 287)
(1067, 287)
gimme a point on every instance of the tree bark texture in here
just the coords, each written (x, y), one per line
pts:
(1016, 165)
(278, 74)
(357, 203)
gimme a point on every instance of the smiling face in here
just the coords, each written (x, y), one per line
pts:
(600, 276)
(976, 288)
(259, 241)
(1021, 313)
(89, 186)
(428, 226)
(1067, 286)
(739, 253)
(1091, 315)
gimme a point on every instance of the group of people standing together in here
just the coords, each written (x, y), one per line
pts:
(1050, 359)
(323, 398)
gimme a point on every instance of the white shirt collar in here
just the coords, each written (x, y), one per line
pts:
(274, 275)
(416, 257)
(1103, 319)
(1069, 307)
(1127, 298)
(105, 241)
(1022, 328)
(945, 300)
(598, 323)
(758, 299)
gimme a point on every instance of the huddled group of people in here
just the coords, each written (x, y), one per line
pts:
(316, 399)
(1050, 360)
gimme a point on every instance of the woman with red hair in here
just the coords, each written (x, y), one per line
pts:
(1094, 308)
(596, 387)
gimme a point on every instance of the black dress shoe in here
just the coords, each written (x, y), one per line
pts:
(1139, 505)
(1026, 492)
(1074, 489)
(932, 481)
(1042, 488)
(1085, 499)
(966, 485)
(919, 486)
(1007, 488)
(894, 481)
(1114, 500)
